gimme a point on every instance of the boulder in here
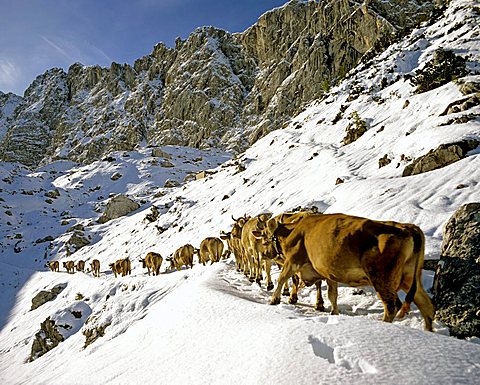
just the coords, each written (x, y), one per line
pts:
(46, 339)
(116, 176)
(171, 183)
(166, 163)
(157, 152)
(92, 334)
(457, 278)
(117, 207)
(45, 296)
(442, 156)
(153, 215)
(78, 240)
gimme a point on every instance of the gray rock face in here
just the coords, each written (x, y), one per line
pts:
(8, 103)
(118, 207)
(462, 233)
(45, 296)
(457, 279)
(214, 89)
(77, 240)
(46, 339)
(92, 334)
(442, 156)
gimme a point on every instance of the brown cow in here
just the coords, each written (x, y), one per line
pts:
(95, 265)
(234, 243)
(256, 252)
(69, 266)
(357, 252)
(121, 267)
(53, 265)
(182, 256)
(80, 266)
(211, 249)
(152, 261)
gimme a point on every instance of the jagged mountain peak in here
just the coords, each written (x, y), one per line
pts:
(212, 89)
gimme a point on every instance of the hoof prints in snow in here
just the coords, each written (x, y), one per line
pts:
(334, 356)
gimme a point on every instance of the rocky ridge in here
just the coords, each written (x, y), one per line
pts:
(215, 89)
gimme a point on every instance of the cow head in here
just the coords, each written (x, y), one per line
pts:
(144, 264)
(172, 262)
(225, 236)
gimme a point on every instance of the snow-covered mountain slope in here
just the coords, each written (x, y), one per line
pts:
(209, 324)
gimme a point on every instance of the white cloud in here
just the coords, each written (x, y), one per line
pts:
(9, 74)
(82, 51)
(64, 51)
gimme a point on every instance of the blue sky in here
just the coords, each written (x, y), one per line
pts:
(36, 35)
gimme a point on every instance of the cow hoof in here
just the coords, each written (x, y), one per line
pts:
(251, 279)
(293, 299)
(275, 301)
(285, 293)
(259, 281)
(320, 308)
(270, 286)
(334, 312)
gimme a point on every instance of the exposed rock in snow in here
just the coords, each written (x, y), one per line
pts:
(46, 295)
(457, 279)
(118, 206)
(442, 156)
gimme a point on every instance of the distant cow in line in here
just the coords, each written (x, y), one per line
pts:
(69, 266)
(211, 249)
(95, 265)
(80, 266)
(152, 261)
(121, 267)
(53, 265)
(354, 251)
(183, 256)
(234, 243)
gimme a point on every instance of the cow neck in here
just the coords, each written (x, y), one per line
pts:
(280, 233)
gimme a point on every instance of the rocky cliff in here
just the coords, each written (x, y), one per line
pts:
(213, 89)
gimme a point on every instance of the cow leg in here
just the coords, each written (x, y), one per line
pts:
(251, 268)
(319, 304)
(389, 298)
(425, 305)
(285, 274)
(294, 295)
(333, 295)
(258, 271)
(267, 263)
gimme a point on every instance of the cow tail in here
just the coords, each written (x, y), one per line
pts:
(418, 250)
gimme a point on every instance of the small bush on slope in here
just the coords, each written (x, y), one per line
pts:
(443, 68)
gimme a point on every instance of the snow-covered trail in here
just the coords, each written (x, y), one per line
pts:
(213, 326)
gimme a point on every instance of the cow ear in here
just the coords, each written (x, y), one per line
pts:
(272, 225)
(257, 234)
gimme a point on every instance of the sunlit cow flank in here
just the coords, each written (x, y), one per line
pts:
(95, 266)
(211, 249)
(53, 265)
(257, 253)
(152, 261)
(121, 267)
(69, 266)
(80, 266)
(357, 252)
(183, 256)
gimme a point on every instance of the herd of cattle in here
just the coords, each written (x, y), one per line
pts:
(310, 247)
